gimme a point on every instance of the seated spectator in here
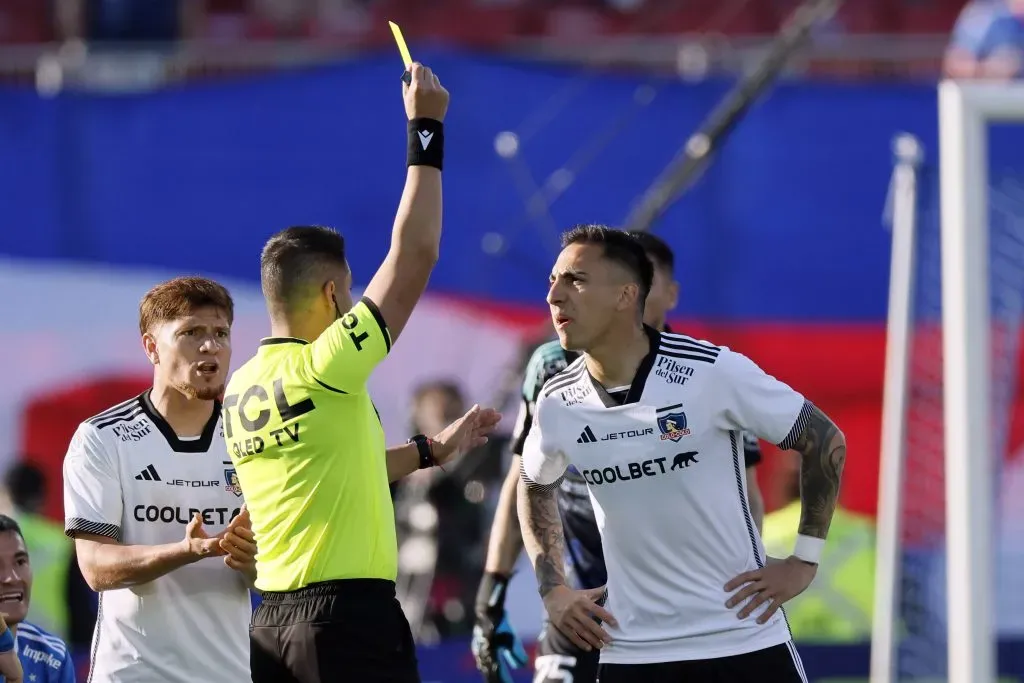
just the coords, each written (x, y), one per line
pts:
(44, 657)
(25, 21)
(987, 41)
(63, 604)
(120, 22)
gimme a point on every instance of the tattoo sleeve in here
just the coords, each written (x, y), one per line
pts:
(542, 533)
(822, 449)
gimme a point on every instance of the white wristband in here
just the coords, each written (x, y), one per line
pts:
(808, 548)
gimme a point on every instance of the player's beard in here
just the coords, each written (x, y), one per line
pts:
(199, 393)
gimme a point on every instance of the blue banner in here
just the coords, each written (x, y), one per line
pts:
(785, 226)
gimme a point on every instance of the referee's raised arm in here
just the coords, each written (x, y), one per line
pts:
(416, 236)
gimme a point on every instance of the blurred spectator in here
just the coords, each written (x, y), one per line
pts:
(62, 602)
(282, 19)
(129, 22)
(987, 41)
(441, 519)
(25, 21)
(838, 605)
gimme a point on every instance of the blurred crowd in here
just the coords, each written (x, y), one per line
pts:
(482, 21)
(988, 41)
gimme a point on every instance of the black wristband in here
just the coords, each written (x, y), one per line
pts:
(423, 447)
(490, 597)
(426, 143)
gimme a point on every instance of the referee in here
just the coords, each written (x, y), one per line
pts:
(308, 446)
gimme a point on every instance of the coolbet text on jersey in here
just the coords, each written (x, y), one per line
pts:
(298, 418)
(44, 657)
(665, 473)
(129, 477)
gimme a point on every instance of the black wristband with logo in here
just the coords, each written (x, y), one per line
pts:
(426, 143)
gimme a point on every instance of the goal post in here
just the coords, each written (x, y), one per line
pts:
(956, 307)
(965, 110)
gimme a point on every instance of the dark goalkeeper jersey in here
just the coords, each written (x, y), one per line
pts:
(584, 559)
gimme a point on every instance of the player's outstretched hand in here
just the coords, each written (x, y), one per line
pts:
(578, 614)
(10, 663)
(199, 543)
(468, 432)
(425, 97)
(239, 544)
(776, 583)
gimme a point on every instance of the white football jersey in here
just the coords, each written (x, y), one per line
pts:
(664, 466)
(127, 476)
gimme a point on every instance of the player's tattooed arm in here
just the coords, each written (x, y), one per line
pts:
(822, 449)
(542, 534)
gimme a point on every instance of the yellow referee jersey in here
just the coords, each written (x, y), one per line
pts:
(308, 449)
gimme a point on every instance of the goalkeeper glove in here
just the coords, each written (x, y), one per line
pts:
(496, 647)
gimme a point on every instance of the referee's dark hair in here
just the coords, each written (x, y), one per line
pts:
(657, 249)
(619, 247)
(297, 261)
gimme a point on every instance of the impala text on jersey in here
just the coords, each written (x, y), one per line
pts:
(40, 656)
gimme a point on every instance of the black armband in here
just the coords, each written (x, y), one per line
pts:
(426, 143)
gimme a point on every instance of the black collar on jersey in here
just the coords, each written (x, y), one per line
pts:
(282, 340)
(570, 356)
(200, 445)
(639, 380)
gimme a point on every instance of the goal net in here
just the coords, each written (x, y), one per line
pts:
(950, 576)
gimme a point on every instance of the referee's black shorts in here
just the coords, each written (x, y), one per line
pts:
(778, 664)
(344, 631)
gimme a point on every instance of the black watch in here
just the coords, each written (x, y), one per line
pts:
(424, 446)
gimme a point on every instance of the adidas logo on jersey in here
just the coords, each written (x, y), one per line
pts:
(587, 436)
(148, 474)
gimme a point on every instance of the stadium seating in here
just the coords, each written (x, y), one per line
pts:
(490, 24)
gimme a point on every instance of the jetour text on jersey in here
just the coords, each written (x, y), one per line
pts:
(180, 515)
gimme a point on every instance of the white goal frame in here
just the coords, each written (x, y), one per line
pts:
(965, 110)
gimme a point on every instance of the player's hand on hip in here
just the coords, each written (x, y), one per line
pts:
(576, 614)
(425, 97)
(468, 432)
(774, 584)
(239, 543)
(198, 543)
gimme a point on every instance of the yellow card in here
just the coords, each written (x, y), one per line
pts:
(400, 41)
